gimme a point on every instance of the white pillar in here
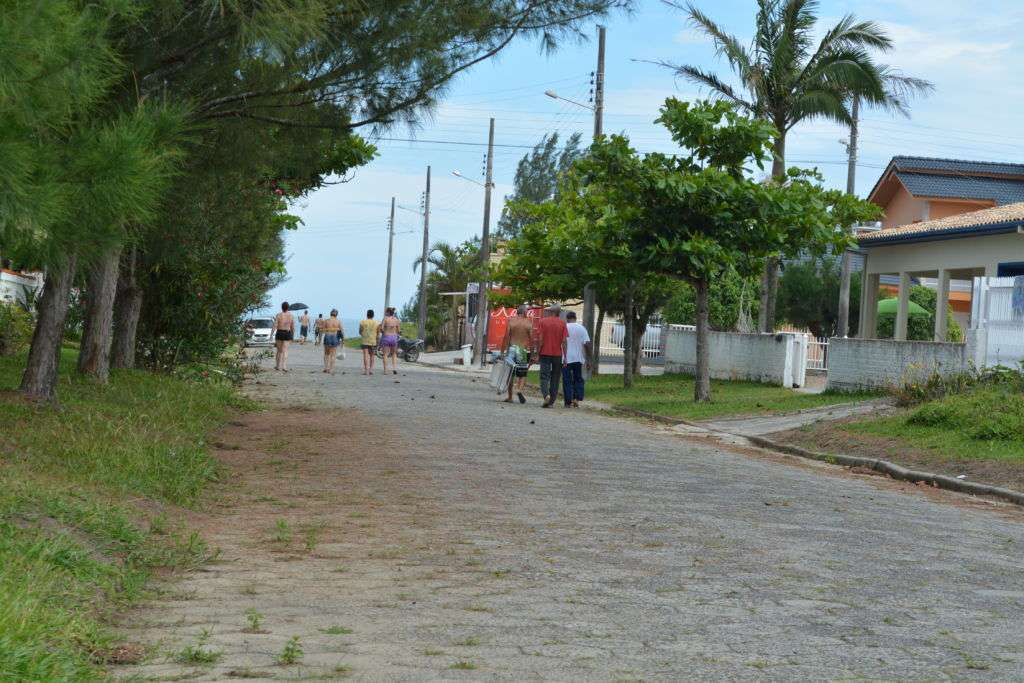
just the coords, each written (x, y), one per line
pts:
(904, 307)
(869, 306)
(941, 306)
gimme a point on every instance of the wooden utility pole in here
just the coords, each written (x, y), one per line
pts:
(422, 323)
(843, 316)
(391, 247)
(588, 289)
(482, 312)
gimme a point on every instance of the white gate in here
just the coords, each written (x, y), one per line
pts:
(992, 309)
(613, 340)
(817, 353)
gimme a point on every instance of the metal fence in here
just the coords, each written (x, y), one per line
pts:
(993, 308)
(817, 353)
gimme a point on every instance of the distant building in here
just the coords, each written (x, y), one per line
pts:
(915, 190)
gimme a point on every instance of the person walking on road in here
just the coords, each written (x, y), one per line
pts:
(304, 326)
(551, 338)
(516, 346)
(390, 330)
(284, 332)
(318, 332)
(577, 355)
(334, 335)
(368, 330)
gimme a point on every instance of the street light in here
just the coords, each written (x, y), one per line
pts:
(555, 96)
(458, 174)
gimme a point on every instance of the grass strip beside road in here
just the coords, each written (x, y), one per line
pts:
(978, 434)
(672, 396)
(85, 491)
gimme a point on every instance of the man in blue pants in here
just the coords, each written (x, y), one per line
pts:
(577, 356)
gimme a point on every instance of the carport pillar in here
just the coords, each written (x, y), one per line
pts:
(903, 310)
(869, 305)
(942, 306)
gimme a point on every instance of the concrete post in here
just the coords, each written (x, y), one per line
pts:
(903, 309)
(941, 306)
(869, 319)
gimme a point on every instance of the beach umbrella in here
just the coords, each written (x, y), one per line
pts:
(297, 307)
(889, 307)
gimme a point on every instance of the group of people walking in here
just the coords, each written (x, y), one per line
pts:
(384, 334)
(331, 333)
(561, 347)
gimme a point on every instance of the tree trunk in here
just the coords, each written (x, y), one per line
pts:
(127, 307)
(627, 359)
(702, 378)
(639, 328)
(94, 355)
(595, 364)
(39, 382)
(770, 276)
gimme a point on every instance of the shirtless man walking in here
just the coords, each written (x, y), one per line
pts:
(390, 329)
(284, 332)
(304, 326)
(518, 344)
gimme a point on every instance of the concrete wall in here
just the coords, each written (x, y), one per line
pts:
(756, 357)
(879, 363)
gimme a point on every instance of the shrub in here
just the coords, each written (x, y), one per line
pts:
(988, 413)
(15, 329)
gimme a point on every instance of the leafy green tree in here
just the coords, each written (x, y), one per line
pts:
(698, 215)
(788, 75)
(537, 179)
(564, 245)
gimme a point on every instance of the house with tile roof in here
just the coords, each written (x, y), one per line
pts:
(946, 222)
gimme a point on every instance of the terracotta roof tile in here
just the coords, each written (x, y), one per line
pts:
(1007, 213)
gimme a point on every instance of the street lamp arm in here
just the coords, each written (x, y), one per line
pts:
(555, 96)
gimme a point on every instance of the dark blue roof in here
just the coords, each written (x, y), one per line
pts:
(956, 165)
(1000, 190)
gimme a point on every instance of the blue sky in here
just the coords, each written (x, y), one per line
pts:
(338, 258)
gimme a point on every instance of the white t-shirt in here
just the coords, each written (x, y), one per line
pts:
(574, 351)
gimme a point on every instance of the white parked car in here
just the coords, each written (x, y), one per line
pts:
(257, 332)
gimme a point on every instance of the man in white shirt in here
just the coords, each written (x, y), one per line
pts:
(577, 355)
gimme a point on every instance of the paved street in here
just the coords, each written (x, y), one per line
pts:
(464, 539)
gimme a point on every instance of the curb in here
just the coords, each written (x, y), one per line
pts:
(895, 471)
(885, 467)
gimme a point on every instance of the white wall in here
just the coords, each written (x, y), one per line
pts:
(880, 363)
(765, 358)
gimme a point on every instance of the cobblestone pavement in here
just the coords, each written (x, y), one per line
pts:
(509, 542)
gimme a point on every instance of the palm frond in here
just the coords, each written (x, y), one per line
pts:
(726, 45)
(825, 104)
(718, 88)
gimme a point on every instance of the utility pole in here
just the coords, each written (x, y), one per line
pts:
(482, 312)
(843, 321)
(588, 289)
(422, 326)
(391, 246)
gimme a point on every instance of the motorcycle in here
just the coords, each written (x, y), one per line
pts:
(408, 349)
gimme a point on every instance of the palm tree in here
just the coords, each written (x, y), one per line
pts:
(787, 78)
(453, 268)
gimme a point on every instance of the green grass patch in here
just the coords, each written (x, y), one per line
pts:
(74, 545)
(672, 396)
(986, 423)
